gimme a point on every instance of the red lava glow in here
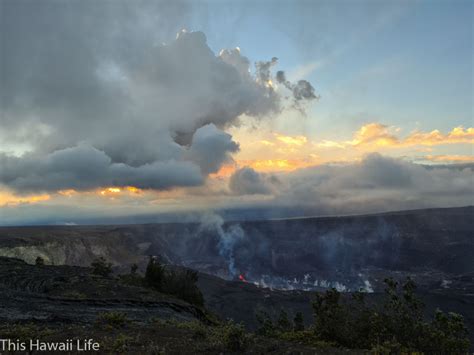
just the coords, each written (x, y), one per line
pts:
(242, 278)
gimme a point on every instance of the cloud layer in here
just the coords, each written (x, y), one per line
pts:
(376, 183)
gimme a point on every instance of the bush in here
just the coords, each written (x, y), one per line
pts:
(121, 343)
(154, 274)
(24, 331)
(180, 283)
(113, 319)
(283, 323)
(223, 336)
(199, 330)
(230, 336)
(298, 322)
(101, 267)
(270, 328)
(397, 326)
(39, 261)
(265, 324)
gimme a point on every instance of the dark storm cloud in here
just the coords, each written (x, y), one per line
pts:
(96, 74)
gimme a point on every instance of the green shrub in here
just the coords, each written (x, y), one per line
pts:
(24, 331)
(132, 280)
(298, 322)
(283, 322)
(113, 319)
(101, 267)
(199, 330)
(229, 336)
(265, 324)
(154, 274)
(397, 326)
(180, 282)
(307, 337)
(121, 343)
(270, 328)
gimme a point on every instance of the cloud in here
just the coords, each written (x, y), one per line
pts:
(449, 158)
(457, 135)
(379, 135)
(302, 90)
(95, 83)
(8, 199)
(291, 140)
(84, 167)
(211, 148)
(247, 181)
(376, 183)
(275, 165)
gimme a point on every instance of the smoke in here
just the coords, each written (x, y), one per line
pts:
(228, 238)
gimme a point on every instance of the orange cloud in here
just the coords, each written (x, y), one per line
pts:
(267, 165)
(226, 170)
(8, 199)
(457, 135)
(291, 140)
(110, 191)
(67, 193)
(265, 142)
(379, 135)
(450, 158)
(374, 133)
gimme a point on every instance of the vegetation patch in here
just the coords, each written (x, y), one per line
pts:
(397, 325)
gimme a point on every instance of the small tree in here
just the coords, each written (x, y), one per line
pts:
(154, 274)
(395, 326)
(298, 322)
(283, 323)
(182, 284)
(101, 267)
(133, 269)
(39, 261)
(265, 324)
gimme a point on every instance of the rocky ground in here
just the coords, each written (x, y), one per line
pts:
(57, 303)
(68, 294)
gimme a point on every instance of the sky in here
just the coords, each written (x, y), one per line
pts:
(111, 110)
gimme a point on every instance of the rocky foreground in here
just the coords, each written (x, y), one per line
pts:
(58, 304)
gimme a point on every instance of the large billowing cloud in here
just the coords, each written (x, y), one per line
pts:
(84, 167)
(96, 98)
(210, 148)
